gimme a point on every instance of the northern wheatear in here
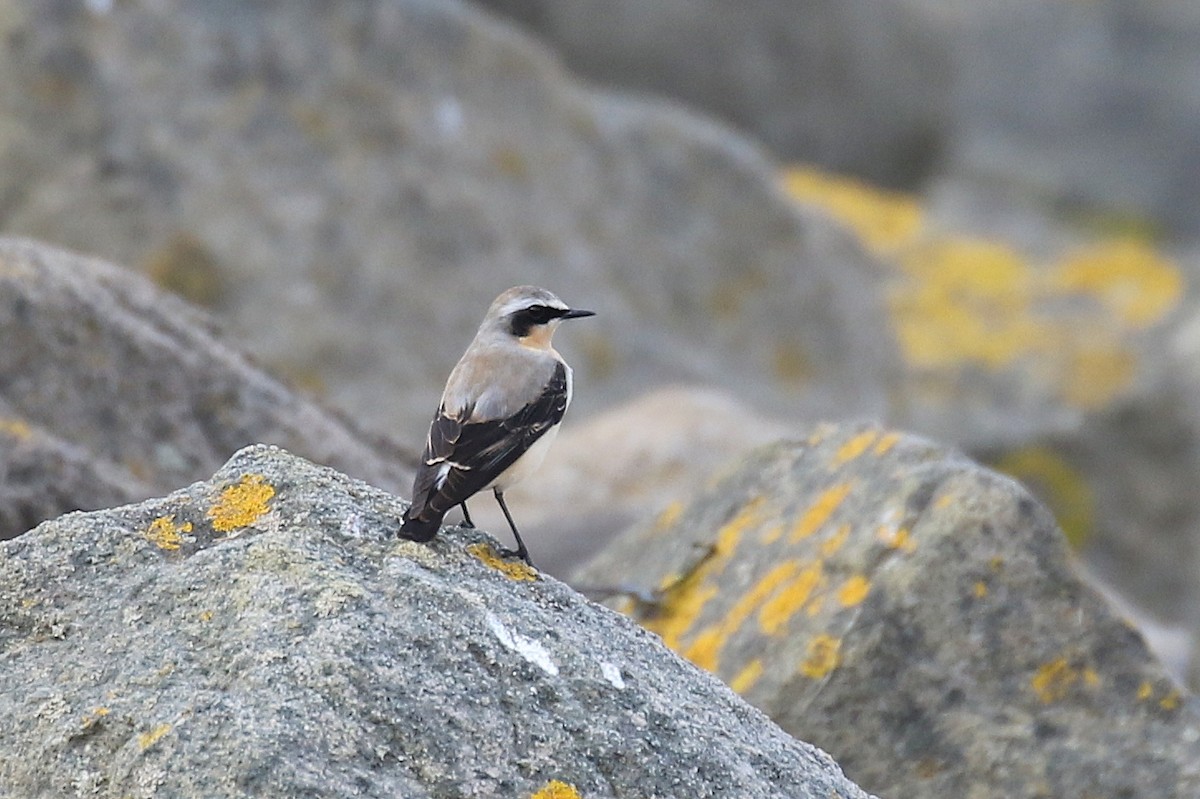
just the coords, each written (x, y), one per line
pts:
(500, 410)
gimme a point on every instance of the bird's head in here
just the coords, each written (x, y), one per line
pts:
(528, 314)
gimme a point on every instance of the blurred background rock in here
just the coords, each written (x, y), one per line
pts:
(975, 222)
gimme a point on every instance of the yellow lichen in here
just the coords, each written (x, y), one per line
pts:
(1170, 701)
(148, 739)
(747, 677)
(241, 504)
(1145, 690)
(886, 443)
(855, 447)
(510, 568)
(884, 220)
(1054, 680)
(772, 534)
(775, 613)
(896, 538)
(980, 589)
(16, 428)
(824, 654)
(682, 597)
(830, 546)
(1134, 282)
(819, 512)
(206, 615)
(854, 591)
(967, 301)
(1062, 486)
(557, 790)
(668, 516)
(705, 650)
(165, 534)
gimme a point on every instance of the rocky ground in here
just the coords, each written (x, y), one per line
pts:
(281, 223)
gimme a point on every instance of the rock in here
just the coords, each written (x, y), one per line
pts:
(111, 390)
(874, 576)
(349, 186)
(628, 463)
(264, 633)
(855, 85)
(1083, 109)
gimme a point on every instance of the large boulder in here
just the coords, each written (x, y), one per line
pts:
(1084, 109)
(112, 390)
(350, 184)
(868, 575)
(263, 633)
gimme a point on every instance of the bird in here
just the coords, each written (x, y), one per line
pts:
(499, 413)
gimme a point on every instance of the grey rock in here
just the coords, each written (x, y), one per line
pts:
(868, 575)
(349, 184)
(1087, 110)
(112, 390)
(859, 86)
(263, 633)
(624, 465)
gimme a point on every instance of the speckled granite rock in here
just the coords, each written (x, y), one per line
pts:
(351, 183)
(111, 390)
(918, 617)
(263, 633)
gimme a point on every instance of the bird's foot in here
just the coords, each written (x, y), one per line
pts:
(521, 553)
(466, 524)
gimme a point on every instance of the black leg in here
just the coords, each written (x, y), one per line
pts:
(470, 525)
(521, 552)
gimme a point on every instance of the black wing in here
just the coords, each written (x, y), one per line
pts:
(478, 452)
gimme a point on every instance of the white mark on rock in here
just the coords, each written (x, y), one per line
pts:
(527, 648)
(613, 674)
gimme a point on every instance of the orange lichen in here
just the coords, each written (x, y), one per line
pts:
(241, 504)
(556, 789)
(775, 613)
(148, 739)
(819, 512)
(165, 534)
(512, 569)
(747, 677)
(824, 654)
(854, 591)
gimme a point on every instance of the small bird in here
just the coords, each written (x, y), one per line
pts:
(500, 411)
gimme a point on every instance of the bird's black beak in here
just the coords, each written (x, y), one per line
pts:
(576, 313)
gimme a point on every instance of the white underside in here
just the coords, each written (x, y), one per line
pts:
(527, 464)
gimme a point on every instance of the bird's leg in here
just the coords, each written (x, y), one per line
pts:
(467, 523)
(521, 552)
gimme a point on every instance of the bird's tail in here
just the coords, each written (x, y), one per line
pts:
(418, 529)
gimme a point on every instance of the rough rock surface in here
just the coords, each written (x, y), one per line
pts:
(624, 465)
(870, 576)
(112, 390)
(351, 183)
(263, 633)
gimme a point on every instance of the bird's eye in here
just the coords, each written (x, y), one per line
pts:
(525, 319)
